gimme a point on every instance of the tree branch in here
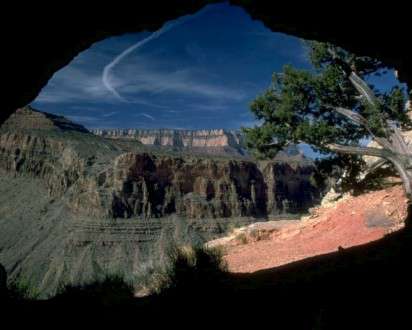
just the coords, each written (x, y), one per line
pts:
(373, 167)
(360, 120)
(352, 115)
(366, 93)
(360, 85)
(406, 179)
(363, 88)
(377, 164)
(363, 151)
(398, 142)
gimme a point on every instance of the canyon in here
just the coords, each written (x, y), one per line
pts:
(214, 141)
(75, 206)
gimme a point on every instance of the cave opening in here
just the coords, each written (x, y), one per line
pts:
(140, 182)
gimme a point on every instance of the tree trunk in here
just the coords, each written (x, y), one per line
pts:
(399, 155)
(405, 172)
(402, 159)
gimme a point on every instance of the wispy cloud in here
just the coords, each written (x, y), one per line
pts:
(187, 81)
(106, 73)
(80, 83)
(73, 84)
(148, 116)
(141, 80)
(203, 74)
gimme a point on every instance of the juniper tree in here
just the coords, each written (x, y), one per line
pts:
(334, 109)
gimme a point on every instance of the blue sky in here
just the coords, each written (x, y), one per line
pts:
(202, 73)
(198, 72)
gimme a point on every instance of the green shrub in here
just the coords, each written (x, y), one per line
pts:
(23, 289)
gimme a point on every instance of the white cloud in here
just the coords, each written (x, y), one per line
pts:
(73, 84)
(76, 84)
(187, 81)
(148, 116)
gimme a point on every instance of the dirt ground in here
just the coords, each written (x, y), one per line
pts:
(350, 221)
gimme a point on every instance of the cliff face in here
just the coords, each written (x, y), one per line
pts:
(75, 206)
(102, 180)
(50, 148)
(289, 188)
(209, 141)
(144, 185)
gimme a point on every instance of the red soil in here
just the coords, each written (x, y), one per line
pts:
(349, 222)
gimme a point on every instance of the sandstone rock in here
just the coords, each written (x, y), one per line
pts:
(171, 137)
(213, 141)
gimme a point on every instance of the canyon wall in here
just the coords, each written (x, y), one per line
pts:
(102, 180)
(143, 185)
(75, 207)
(210, 141)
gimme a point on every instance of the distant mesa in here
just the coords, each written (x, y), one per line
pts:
(205, 141)
(206, 138)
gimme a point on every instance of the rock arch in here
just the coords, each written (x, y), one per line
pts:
(41, 40)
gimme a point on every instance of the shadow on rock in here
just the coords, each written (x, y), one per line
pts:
(365, 286)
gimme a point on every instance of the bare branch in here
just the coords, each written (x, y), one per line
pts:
(398, 142)
(378, 164)
(406, 179)
(382, 153)
(360, 120)
(352, 115)
(363, 88)
(373, 167)
(362, 151)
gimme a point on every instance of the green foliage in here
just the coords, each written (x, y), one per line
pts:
(23, 289)
(298, 105)
(186, 267)
(195, 267)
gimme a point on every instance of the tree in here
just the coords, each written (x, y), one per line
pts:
(333, 109)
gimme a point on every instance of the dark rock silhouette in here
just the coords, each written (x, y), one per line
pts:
(3, 279)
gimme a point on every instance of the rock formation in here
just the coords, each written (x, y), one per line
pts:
(105, 181)
(214, 141)
(75, 206)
